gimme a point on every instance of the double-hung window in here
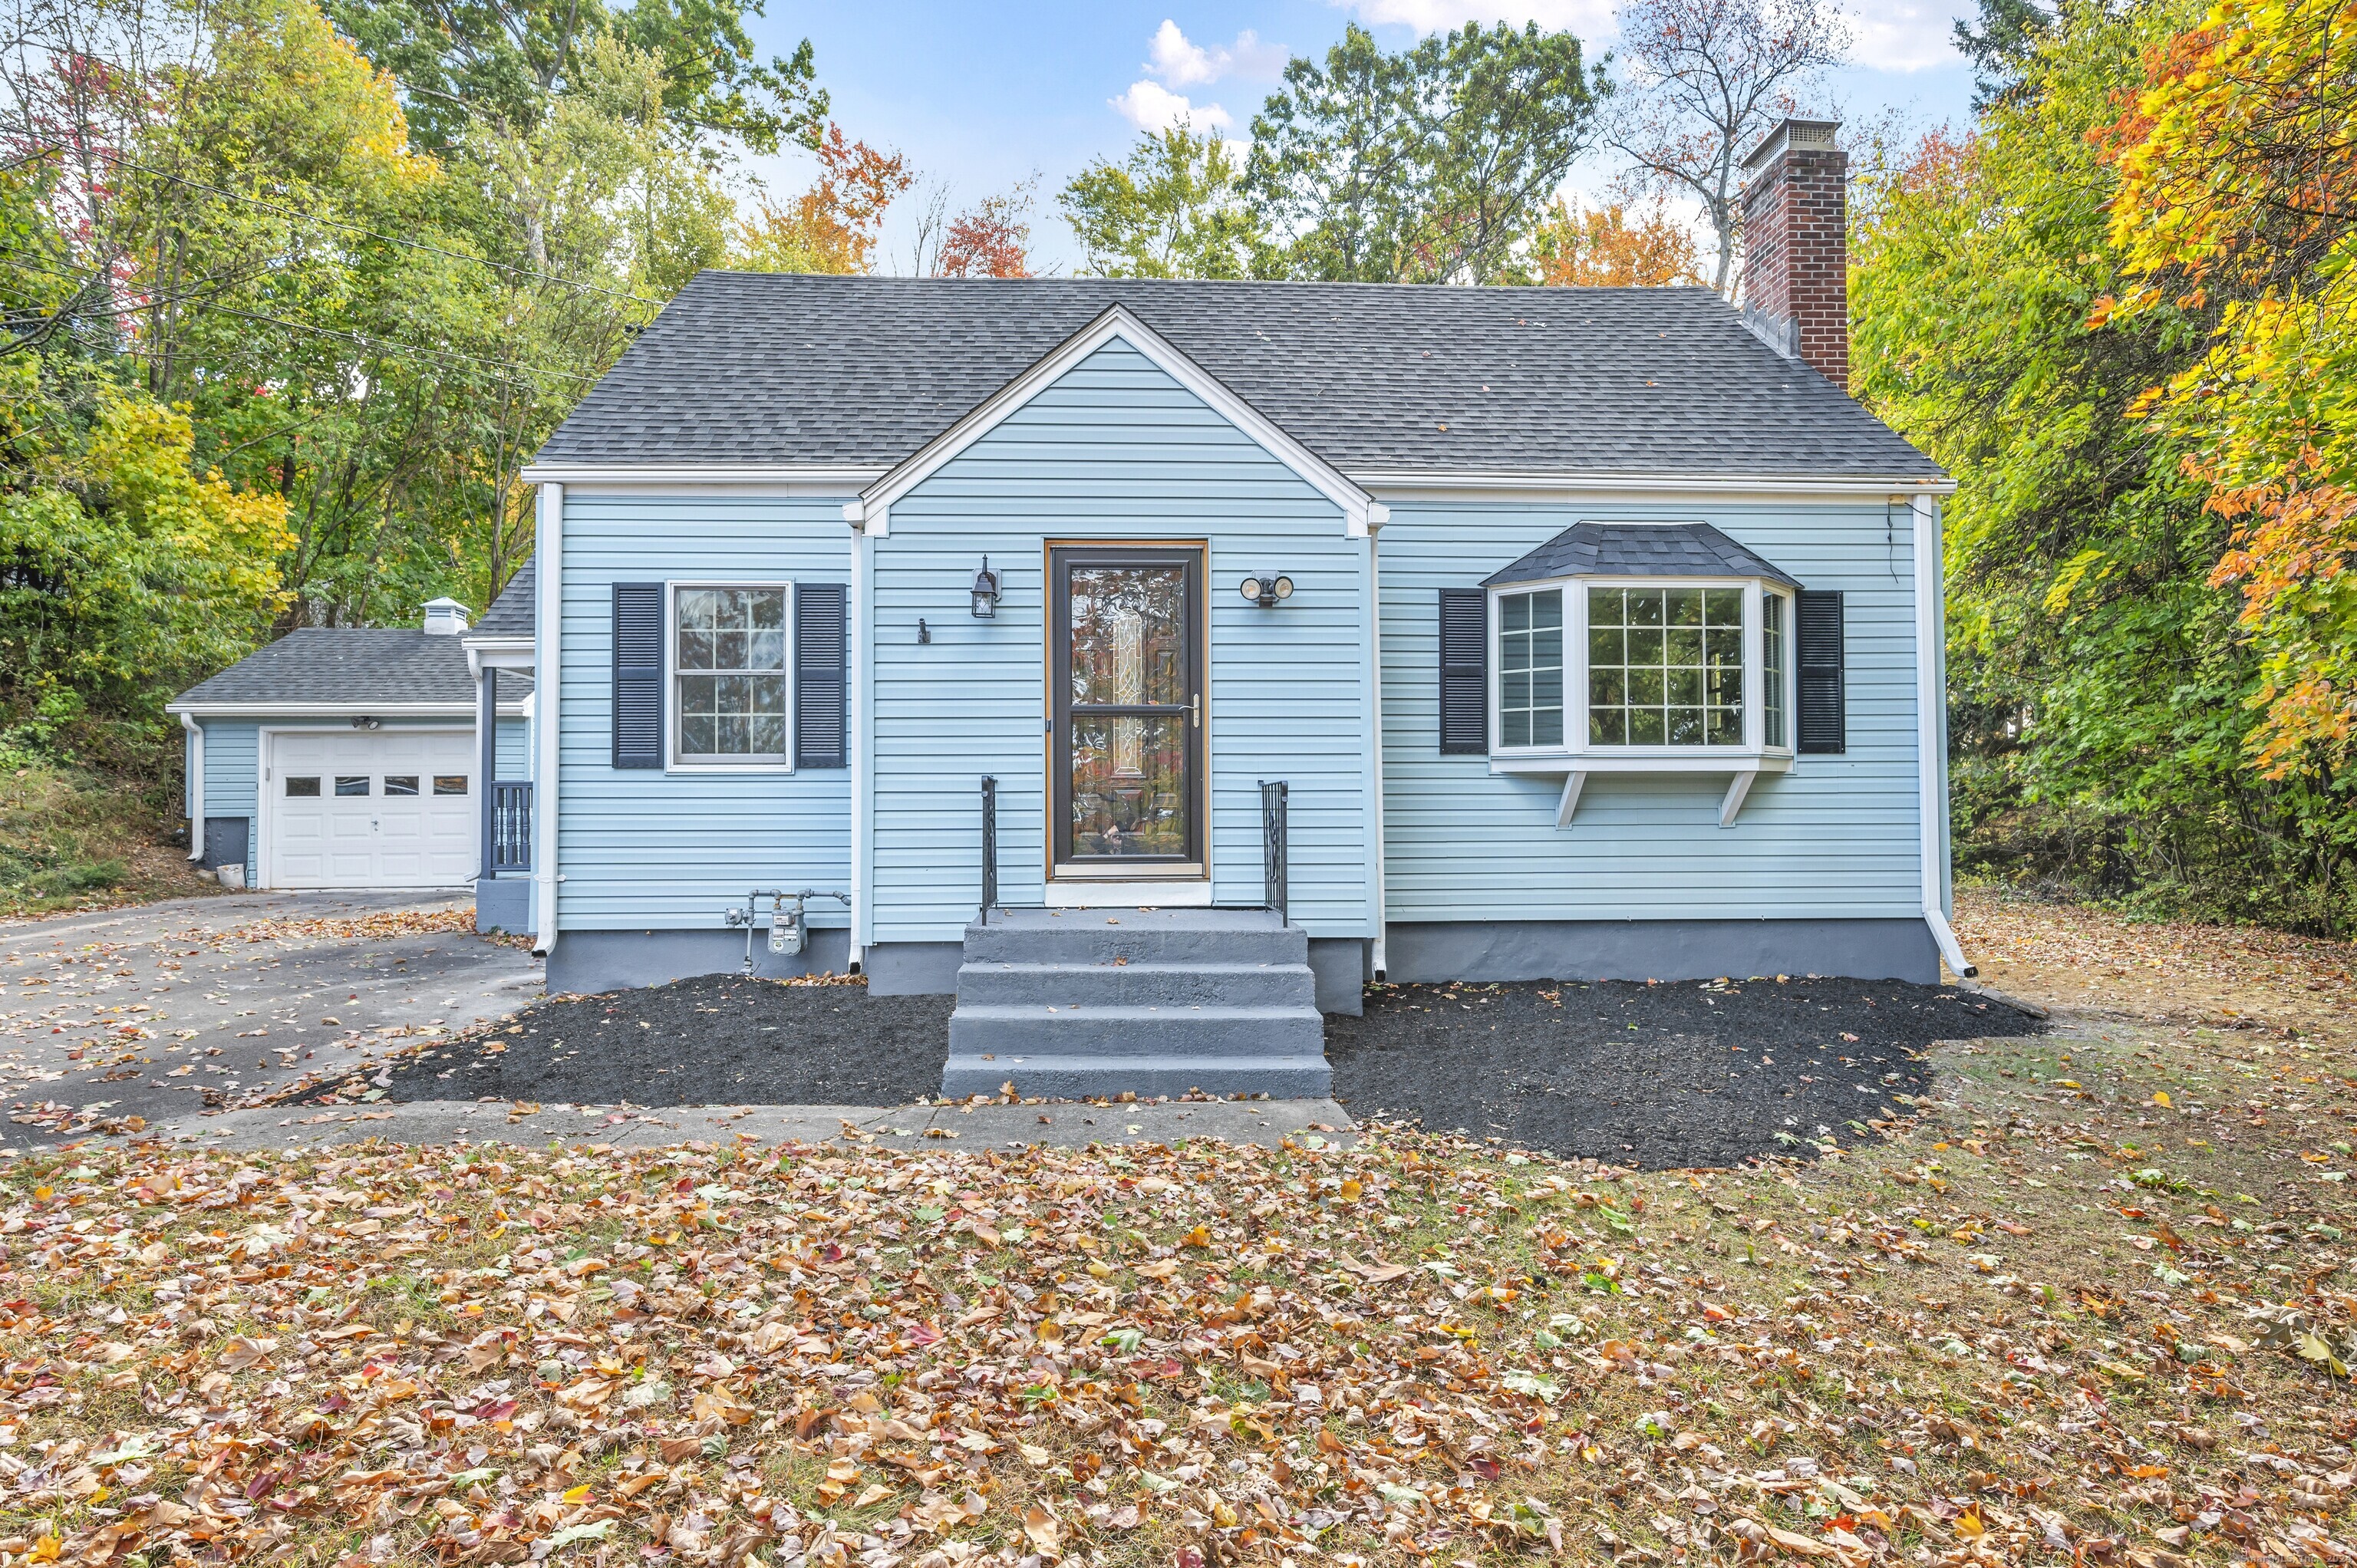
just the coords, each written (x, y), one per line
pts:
(1676, 669)
(730, 675)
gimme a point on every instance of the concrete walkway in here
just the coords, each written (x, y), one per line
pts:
(1267, 1122)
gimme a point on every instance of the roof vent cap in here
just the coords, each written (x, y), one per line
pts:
(445, 617)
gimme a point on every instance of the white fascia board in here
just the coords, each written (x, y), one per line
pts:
(333, 710)
(1437, 485)
(500, 656)
(1117, 322)
(781, 478)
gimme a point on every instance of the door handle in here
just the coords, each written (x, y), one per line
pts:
(1195, 703)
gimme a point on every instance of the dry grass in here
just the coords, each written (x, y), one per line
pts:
(72, 840)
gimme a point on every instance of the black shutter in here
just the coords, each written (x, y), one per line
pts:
(1824, 720)
(1464, 671)
(638, 676)
(821, 641)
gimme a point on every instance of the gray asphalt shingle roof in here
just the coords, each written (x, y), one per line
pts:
(1638, 550)
(515, 612)
(351, 666)
(765, 369)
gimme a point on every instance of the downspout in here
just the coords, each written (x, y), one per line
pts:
(1378, 514)
(548, 675)
(1931, 726)
(486, 743)
(855, 658)
(195, 764)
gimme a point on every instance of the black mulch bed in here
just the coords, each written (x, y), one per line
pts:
(714, 1040)
(1686, 1074)
(1696, 1073)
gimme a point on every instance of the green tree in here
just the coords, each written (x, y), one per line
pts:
(2098, 678)
(1173, 208)
(1432, 165)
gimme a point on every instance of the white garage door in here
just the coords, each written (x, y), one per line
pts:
(373, 808)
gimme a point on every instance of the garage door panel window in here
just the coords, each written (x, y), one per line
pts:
(303, 789)
(400, 783)
(349, 785)
(729, 675)
(448, 784)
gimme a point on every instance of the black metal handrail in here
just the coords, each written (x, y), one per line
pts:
(1274, 849)
(511, 826)
(989, 847)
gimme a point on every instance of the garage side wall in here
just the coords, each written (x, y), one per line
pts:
(232, 774)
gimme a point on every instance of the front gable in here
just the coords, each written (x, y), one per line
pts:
(1114, 337)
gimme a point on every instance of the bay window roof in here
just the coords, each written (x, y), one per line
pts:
(1638, 550)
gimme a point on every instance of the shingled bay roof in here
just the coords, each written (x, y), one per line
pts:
(761, 370)
(1638, 550)
(354, 667)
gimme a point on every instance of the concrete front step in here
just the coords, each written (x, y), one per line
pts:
(1086, 1077)
(1141, 936)
(1131, 1034)
(1138, 984)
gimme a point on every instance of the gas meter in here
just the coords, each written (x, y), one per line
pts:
(785, 928)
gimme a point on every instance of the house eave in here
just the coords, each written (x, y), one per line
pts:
(1571, 483)
(785, 478)
(337, 710)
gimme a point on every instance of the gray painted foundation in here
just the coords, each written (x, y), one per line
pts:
(225, 842)
(1659, 950)
(590, 962)
(1343, 965)
(503, 904)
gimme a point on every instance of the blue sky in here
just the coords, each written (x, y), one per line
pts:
(981, 96)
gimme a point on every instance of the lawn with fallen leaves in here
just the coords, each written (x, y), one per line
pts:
(2085, 1304)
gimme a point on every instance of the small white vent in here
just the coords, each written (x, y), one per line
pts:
(445, 617)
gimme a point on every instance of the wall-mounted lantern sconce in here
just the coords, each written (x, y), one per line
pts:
(985, 593)
(924, 632)
(1267, 590)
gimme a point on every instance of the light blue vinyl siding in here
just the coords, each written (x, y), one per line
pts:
(514, 749)
(653, 850)
(1114, 450)
(232, 772)
(1837, 837)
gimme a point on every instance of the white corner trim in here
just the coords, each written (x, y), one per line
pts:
(1930, 731)
(547, 674)
(196, 766)
(855, 742)
(1118, 323)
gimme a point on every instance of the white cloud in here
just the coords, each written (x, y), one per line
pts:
(1150, 106)
(1591, 19)
(1905, 35)
(1181, 62)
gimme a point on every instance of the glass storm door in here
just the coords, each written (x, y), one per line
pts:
(1126, 732)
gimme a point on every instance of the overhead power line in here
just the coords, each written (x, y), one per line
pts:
(119, 160)
(444, 356)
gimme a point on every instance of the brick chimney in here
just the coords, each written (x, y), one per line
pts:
(1795, 245)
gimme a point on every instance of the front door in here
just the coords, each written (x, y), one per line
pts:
(1126, 727)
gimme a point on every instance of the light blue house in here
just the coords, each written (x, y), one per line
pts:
(372, 759)
(1588, 632)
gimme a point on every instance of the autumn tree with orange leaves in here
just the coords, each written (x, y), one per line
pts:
(832, 226)
(2237, 213)
(1606, 246)
(992, 239)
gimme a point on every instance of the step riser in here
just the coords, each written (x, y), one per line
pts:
(1137, 985)
(1084, 1077)
(1029, 1032)
(1103, 944)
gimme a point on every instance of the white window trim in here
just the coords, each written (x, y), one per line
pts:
(672, 761)
(1576, 757)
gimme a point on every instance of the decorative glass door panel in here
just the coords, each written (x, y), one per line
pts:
(1127, 724)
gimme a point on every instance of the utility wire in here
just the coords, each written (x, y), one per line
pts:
(118, 159)
(383, 345)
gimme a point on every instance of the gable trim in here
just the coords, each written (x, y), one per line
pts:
(1545, 485)
(1117, 322)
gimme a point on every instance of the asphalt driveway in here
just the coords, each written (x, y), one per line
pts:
(164, 1010)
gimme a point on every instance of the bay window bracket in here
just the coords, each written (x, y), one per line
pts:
(1564, 808)
(1736, 788)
